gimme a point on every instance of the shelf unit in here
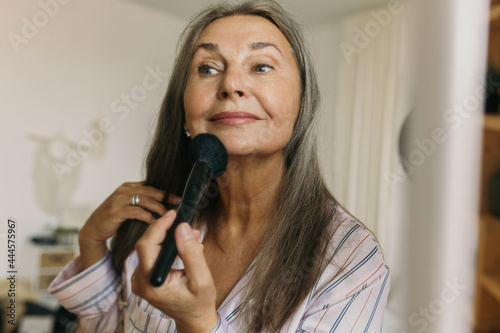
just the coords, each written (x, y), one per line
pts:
(487, 295)
(487, 302)
(45, 262)
(494, 43)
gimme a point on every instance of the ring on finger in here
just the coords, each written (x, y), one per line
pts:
(135, 200)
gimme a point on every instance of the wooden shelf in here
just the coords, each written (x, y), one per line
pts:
(495, 14)
(487, 290)
(491, 223)
(492, 122)
(491, 282)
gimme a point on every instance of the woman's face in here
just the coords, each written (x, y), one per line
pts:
(243, 86)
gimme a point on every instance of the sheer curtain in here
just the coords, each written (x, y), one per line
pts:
(372, 102)
(361, 129)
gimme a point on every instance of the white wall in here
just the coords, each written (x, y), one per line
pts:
(68, 74)
(325, 37)
(449, 59)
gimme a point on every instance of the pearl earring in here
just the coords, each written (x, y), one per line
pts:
(187, 133)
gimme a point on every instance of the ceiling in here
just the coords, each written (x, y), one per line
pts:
(309, 10)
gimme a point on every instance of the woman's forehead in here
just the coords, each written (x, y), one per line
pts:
(243, 33)
(242, 30)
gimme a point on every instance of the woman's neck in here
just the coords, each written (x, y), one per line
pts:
(248, 192)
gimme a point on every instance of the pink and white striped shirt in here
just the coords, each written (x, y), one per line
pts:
(350, 295)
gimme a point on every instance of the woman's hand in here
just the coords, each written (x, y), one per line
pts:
(188, 296)
(116, 209)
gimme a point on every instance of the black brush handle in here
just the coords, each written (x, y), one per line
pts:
(194, 191)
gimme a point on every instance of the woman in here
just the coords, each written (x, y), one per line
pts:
(274, 251)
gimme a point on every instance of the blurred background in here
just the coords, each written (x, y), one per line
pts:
(409, 91)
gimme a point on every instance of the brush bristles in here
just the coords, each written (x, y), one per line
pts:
(209, 149)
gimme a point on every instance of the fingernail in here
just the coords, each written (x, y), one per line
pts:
(185, 231)
(170, 213)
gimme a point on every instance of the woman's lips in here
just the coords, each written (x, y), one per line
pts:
(234, 118)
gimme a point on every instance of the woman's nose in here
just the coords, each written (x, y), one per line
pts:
(233, 85)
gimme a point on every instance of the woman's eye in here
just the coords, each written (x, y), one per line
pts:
(263, 68)
(206, 70)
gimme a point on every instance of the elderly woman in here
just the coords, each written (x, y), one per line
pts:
(274, 251)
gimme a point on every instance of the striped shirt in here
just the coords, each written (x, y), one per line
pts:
(350, 295)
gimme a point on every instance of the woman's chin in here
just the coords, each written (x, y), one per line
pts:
(240, 145)
(240, 152)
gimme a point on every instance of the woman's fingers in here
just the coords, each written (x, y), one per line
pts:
(150, 204)
(148, 246)
(191, 253)
(137, 213)
(157, 194)
(126, 192)
(154, 205)
(173, 199)
(188, 295)
(190, 250)
(149, 197)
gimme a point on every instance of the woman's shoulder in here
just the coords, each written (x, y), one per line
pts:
(355, 281)
(352, 248)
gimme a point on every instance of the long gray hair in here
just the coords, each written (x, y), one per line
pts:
(291, 259)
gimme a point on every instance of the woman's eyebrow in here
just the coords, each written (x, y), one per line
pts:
(260, 45)
(207, 46)
(211, 47)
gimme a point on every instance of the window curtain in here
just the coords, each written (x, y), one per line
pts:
(370, 109)
(370, 106)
